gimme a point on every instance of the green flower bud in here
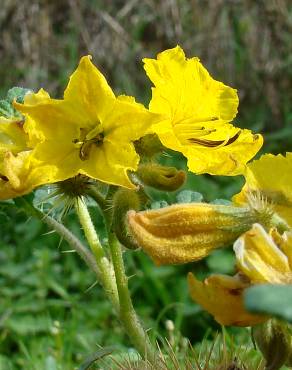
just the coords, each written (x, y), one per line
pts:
(274, 341)
(123, 201)
(148, 146)
(160, 177)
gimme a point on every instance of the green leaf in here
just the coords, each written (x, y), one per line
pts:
(51, 363)
(270, 299)
(3, 217)
(159, 204)
(6, 109)
(189, 196)
(6, 105)
(17, 93)
(94, 357)
(221, 261)
(28, 324)
(58, 289)
(5, 363)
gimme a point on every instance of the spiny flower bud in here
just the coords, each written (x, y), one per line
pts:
(65, 193)
(160, 177)
(274, 341)
(184, 233)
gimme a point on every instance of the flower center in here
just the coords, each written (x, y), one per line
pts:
(86, 142)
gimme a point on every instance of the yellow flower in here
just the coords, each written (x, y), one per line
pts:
(222, 297)
(197, 112)
(20, 174)
(270, 178)
(184, 233)
(12, 136)
(88, 132)
(261, 258)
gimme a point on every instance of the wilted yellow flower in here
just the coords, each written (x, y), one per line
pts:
(12, 136)
(197, 112)
(270, 177)
(90, 131)
(222, 297)
(261, 258)
(184, 233)
(19, 173)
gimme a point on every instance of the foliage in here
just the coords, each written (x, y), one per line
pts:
(272, 300)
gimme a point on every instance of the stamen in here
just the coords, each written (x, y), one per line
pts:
(20, 123)
(193, 120)
(215, 143)
(87, 145)
(4, 178)
(185, 134)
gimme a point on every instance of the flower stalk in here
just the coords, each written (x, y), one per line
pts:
(106, 269)
(127, 313)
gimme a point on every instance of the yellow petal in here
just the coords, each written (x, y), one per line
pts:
(35, 98)
(285, 243)
(183, 233)
(30, 126)
(51, 118)
(197, 110)
(128, 120)
(21, 174)
(12, 136)
(222, 297)
(184, 88)
(229, 159)
(89, 91)
(110, 163)
(259, 258)
(62, 155)
(271, 176)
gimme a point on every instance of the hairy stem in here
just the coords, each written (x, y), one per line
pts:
(127, 312)
(107, 275)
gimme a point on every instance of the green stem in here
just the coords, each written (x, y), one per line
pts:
(115, 282)
(107, 274)
(128, 315)
(127, 312)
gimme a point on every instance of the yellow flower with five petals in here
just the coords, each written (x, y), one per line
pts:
(90, 131)
(197, 112)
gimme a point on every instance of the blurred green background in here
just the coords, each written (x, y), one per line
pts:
(49, 316)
